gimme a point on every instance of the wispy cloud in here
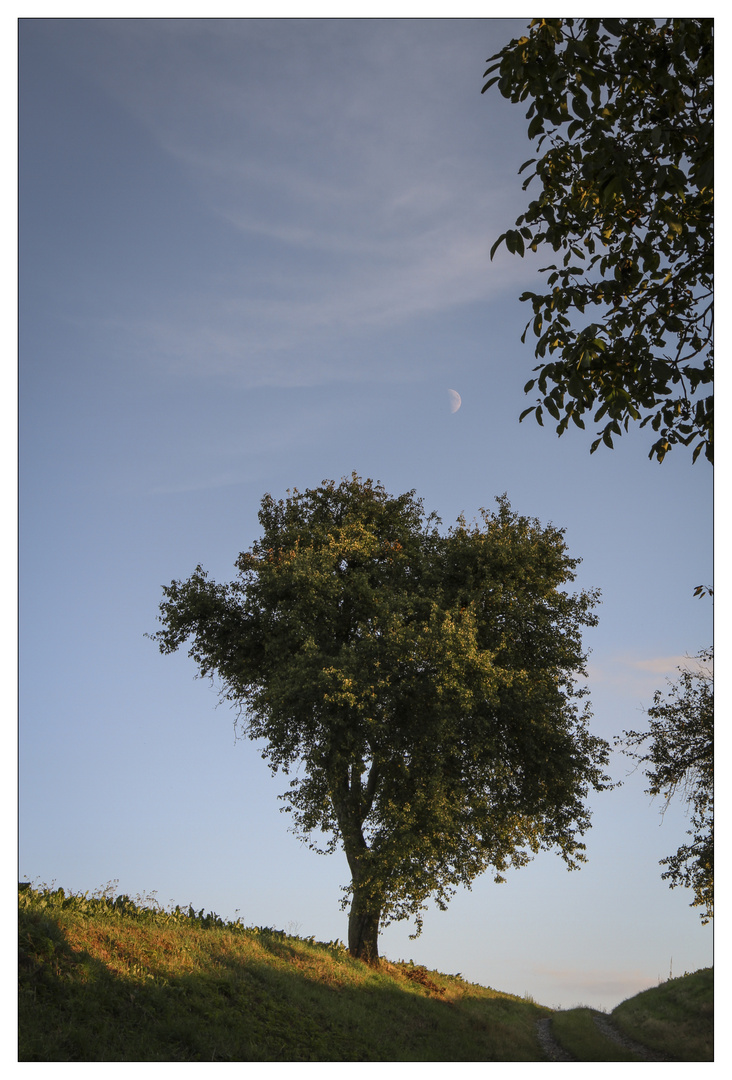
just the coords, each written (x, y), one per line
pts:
(660, 665)
(596, 985)
(635, 677)
(356, 204)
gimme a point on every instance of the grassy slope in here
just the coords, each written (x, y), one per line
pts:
(110, 980)
(575, 1030)
(105, 980)
(676, 1018)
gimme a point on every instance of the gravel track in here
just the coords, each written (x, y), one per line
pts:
(555, 1052)
(548, 1043)
(606, 1026)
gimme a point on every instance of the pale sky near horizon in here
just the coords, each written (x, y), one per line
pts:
(254, 254)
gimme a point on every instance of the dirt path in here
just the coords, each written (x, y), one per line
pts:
(555, 1052)
(549, 1044)
(606, 1026)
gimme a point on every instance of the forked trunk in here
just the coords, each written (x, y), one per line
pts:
(363, 929)
(352, 803)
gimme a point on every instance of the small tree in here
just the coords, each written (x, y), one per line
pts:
(623, 108)
(681, 759)
(423, 686)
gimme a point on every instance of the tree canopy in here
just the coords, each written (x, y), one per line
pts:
(418, 687)
(680, 759)
(623, 111)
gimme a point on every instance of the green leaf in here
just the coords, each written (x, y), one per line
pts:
(500, 239)
(491, 69)
(609, 190)
(536, 126)
(580, 106)
(551, 407)
(575, 386)
(515, 242)
(614, 26)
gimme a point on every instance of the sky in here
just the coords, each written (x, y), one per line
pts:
(254, 255)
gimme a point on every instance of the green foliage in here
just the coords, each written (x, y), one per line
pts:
(623, 110)
(105, 902)
(680, 757)
(420, 686)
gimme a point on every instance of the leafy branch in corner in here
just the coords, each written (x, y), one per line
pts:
(622, 109)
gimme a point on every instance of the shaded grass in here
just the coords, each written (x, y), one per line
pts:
(105, 979)
(577, 1032)
(108, 980)
(675, 1018)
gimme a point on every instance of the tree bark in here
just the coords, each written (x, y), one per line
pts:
(351, 808)
(363, 928)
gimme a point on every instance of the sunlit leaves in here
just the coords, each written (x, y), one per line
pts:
(622, 110)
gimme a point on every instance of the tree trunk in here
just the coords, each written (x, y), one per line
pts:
(351, 805)
(363, 928)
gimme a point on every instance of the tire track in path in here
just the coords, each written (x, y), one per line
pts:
(548, 1043)
(555, 1052)
(606, 1026)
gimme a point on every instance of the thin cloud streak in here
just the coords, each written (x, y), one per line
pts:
(374, 182)
(618, 668)
(597, 984)
(663, 665)
(265, 339)
(633, 680)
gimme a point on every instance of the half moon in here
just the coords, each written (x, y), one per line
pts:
(455, 400)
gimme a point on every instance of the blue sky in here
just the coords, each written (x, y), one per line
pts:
(254, 255)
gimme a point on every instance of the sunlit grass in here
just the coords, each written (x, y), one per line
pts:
(107, 979)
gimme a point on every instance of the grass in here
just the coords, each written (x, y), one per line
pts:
(675, 1018)
(105, 979)
(577, 1032)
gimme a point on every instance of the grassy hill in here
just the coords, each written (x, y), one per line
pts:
(678, 1014)
(108, 979)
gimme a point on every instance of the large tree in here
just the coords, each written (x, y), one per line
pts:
(678, 752)
(622, 109)
(419, 686)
